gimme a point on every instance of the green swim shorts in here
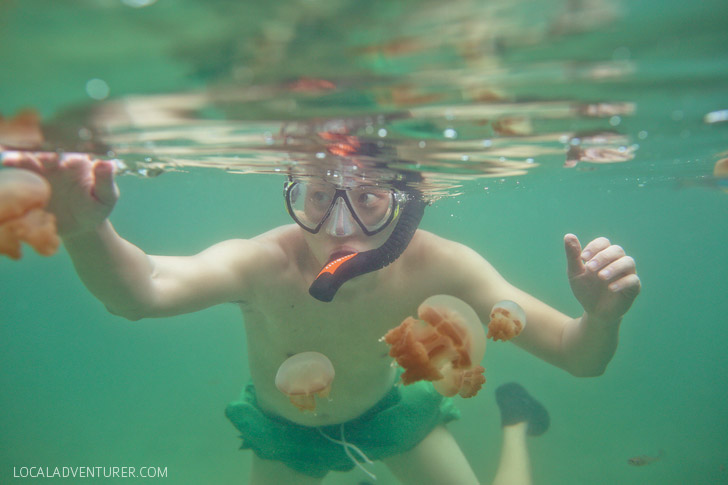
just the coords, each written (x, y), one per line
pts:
(397, 423)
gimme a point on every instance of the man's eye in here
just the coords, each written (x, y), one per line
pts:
(320, 197)
(367, 199)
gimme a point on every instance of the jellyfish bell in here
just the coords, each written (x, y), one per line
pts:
(22, 131)
(304, 376)
(23, 195)
(445, 346)
(21, 191)
(507, 320)
(451, 309)
(466, 378)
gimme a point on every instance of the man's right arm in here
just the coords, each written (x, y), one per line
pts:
(135, 285)
(129, 282)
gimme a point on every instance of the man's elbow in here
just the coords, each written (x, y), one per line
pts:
(595, 370)
(130, 313)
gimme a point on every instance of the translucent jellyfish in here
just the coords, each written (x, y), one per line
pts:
(23, 195)
(445, 346)
(303, 376)
(507, 320)
(22, 131)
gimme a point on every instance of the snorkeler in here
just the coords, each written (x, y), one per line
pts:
(373, 268)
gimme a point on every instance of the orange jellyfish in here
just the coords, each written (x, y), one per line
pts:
(507, 320)
(21, 132)
(303, 376)
(444, 346)
(23, 195)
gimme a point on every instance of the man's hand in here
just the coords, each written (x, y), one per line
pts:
(83, 192)
(602, 277)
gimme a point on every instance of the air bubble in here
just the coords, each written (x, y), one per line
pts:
(450, 133)
(97, 89)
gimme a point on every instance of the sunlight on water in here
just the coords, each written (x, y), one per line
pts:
(451, 94)
(457, 93)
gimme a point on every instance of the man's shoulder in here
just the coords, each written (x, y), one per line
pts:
(426, 244)
(279, 236)
(268, 248)
(453, 266)
(282, 241)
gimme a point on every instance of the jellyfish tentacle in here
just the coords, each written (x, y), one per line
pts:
(23, 196)
(444, 346)
(507, 320)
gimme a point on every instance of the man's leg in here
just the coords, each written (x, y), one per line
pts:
(436, 460)
(514, 467)
(521, 416)
(270, 472)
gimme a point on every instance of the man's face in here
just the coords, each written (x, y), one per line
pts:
(342, 220)
(318, 201)
(326, 244)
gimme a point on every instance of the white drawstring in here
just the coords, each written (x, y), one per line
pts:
(347, 449)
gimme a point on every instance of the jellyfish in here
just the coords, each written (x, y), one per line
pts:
(22, 131)
(507, 320)
(445, 346)
(23, 195)
(303, 376)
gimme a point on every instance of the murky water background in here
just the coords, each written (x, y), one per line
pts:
(527, 120)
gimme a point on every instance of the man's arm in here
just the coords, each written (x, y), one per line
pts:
(582, 346)
(135, 285)
(128, 281)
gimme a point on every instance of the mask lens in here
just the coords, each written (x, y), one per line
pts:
(310, 202)
(372, 205)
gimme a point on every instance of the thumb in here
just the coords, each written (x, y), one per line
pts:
(105, 190)
(574, 264)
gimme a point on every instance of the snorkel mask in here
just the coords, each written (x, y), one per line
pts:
(312, 205)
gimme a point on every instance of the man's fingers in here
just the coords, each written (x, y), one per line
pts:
(24, 160)
(105, 190)
(572, 246)
(605, 257)
(629, 285)
(48, 160)
(595, 246)
(617, 268)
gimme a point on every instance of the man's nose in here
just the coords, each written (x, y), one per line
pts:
(340, 222)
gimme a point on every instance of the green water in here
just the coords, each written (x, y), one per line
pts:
(81, 387)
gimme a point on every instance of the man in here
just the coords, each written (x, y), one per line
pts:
(390, 268)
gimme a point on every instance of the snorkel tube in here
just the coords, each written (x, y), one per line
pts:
(340, 270)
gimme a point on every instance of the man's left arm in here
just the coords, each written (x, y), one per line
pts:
(602, 278)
